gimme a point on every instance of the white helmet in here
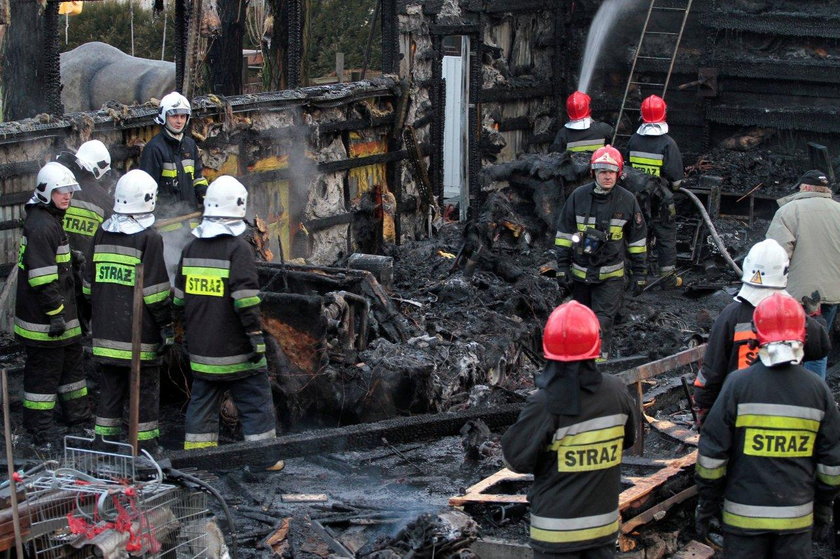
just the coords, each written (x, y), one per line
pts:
(766, 265)
(765, 272)
(54, 176)
(173, 104)
(93, 156)
(226, 197)
(135, 193)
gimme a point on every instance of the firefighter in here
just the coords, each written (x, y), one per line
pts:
(732, 342)
(581, 132)
(652, 151)
(45, 313)
(770, 447)
(124, 242)
(172, 159)
(570, 436)
(599, 224)
(217, 287)
(88, 209)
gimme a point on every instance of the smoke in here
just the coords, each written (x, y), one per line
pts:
(599, 31)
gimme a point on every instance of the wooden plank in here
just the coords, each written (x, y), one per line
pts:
(672, 430)
(658, 511)
(654, 368)
(633, 494)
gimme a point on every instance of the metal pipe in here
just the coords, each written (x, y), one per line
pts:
(10, 463)
(712, 230)
(136, 341)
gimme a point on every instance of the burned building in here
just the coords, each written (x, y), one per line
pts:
(458, 126)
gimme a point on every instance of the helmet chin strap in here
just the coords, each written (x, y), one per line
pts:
(173, 134)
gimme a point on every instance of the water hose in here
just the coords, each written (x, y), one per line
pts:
(712, 230)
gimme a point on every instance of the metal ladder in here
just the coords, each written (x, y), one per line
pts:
(634, 79)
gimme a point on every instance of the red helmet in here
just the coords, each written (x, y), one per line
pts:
(607, 158)
(653, 109)
(577, 105)
(572, 333)
(779, 318)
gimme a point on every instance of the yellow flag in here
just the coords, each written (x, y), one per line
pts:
(72, 8)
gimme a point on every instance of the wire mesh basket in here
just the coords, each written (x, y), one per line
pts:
(109, 503)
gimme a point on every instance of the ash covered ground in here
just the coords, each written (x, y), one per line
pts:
(477, 343)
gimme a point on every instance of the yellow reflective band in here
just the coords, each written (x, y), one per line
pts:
(111, 257)
(562, 242)
(588, 458)
(169, 173)
(579, 273)
(568, 536)
(213, 286)
(767, 523)
(81, 221)
(779, 444)
(636, 250)
(613, 274)
(589, 437)
(62, 258)
(107, 272)
(203, 444)
(56, 311)
(645, 161)
(590, 147)
(189, 169)
(206, 272)
(710, 473)
(148, 435)
(777, 422)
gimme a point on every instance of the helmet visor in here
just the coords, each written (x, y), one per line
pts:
(67, 189)
(180, 111)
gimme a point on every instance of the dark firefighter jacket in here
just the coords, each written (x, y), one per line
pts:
(732, 345)
(88, 209)
(576, 462)
(176, 166)
(110, 277)
(45, 286)
(770, 447)
(656, 155)
(618, 217)
(218, 287)
(596, 136)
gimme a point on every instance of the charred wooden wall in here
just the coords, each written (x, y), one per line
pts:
(307, 156)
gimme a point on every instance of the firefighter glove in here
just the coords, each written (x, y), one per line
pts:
(822, 522)
(811, 304)
(57, 326)
(167, 338)
(257, 341)
(701, 416)
(703, 516)
(564, 280)
(77, 259)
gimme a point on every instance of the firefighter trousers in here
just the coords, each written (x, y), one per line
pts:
(252, 397)
(603, 552)
(114, 396)
(53, 376)
(767, 546)
(605, 300)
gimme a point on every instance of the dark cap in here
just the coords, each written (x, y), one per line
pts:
(814, 178)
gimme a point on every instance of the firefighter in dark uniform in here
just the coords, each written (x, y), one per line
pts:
(652, 151)
(217, 287)
(45, 312)
(770, 446)
(581, 132)
(732, 342)
(88, 209)
(172, 159)
(599, 225)
(123, 242)
(570, 435)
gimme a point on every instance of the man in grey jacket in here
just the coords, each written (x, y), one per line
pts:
(807, 225)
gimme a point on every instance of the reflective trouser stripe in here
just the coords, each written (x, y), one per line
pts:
(200, 440)
(829, 475)
(73, 391)
(108, 426)
(262, 436)
(34, 401)
(751, 517)
(568, 530)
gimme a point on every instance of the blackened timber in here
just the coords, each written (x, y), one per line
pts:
(15, 198)
(516, 123)
(355, 124)
(503, 94)
(345, 164)
(654, 368)
(390, 37)
(454, 29)
(19, 168)
(399, 430)
(809, 118)
(793, 25)
(314, 225)
(474, 117)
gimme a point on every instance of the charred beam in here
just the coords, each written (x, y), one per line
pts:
(792, 25)
(324, 441)
(670, 363)
(505, 94)
(390, 37)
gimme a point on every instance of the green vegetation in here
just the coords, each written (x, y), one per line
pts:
(342, 26)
